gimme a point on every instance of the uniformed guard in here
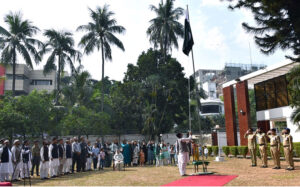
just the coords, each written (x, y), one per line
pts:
(251, 145)
(275, 147)
(262, 142)
(288, 148)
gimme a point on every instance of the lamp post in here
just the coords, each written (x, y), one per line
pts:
(218, 158)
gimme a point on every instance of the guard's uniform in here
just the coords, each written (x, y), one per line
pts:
(252, 147)
(262, 142)
(274, 148)
(288, 150)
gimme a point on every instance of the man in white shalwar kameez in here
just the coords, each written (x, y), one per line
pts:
(183, 152)
(17, 160)
(44, 169)
(6, 165)
(54, 160)
(26, 160)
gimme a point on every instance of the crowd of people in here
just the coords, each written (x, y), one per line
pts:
(62, 157)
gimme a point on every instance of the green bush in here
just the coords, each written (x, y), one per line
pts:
(215, 150)
(257, 152)
(234, 150)
(281, 151)
(226, 150)
(209, 150)
(297, 149)
(243, 150)
(296, 144)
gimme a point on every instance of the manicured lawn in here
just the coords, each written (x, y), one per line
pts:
(156, 176)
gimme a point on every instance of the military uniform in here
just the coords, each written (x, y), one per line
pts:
(288, 150)
(252, 147)
(274, 148)
(262, 142)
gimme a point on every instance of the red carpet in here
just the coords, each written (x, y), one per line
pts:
(206, 180)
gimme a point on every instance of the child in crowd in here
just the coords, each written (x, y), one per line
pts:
(205, 152)
(166, 155)
(142, 158)
(101, 159)
(89, 157)
(172, 155)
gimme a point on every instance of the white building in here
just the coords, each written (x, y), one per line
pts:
(27, 80)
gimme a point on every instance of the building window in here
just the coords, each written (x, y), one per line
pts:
(18, 77)
(271, 94)
(41, 82)
(206, 109)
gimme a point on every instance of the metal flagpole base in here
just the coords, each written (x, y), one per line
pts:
(202, 173)
(219, 159)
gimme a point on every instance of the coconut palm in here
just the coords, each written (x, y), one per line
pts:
(60, 45)
(294, 92)
(78, 88)
(165, 29)
(100, 35)
(18, 40)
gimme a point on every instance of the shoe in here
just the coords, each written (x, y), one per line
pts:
(253, 165)
(264, 166)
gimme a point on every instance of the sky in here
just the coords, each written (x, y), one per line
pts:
(218, 35)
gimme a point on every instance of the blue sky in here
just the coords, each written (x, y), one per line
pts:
(218, 34)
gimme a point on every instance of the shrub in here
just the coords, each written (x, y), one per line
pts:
(257, 152)
(243, 150)
(281, 151)
(215, 150)
(297, 149)
(233, 150)
(226, 150)
(209, 150)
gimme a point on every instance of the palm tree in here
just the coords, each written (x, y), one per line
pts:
(165, 29)
(78, 88)
(61, 46)
(294, 92)
(100, 35)
(18, 39)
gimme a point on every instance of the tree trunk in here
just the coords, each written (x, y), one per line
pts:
(102, 80)
(58, 80)
(14, 74)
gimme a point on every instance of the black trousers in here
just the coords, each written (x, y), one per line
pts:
(82, 162)
(95, 162)
(35, 164)
(76, 160)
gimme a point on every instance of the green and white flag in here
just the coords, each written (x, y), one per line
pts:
(188, 36)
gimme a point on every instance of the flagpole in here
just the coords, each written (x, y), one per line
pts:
(196, 87)
(197, 92)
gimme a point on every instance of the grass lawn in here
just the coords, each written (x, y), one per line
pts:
(156, 176)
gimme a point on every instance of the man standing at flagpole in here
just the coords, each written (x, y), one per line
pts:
(183, 152)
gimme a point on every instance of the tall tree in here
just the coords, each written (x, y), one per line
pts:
(101, 35)
(18, 39)
(61, 46)
(165, 29)
(278, 24)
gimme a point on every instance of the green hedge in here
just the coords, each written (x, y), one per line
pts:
(234, 150)
(243, 150)
(297, 150)
(226, 150)
(215, 150)
(209, 150)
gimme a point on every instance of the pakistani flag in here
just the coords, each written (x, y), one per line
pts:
(188, 37)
